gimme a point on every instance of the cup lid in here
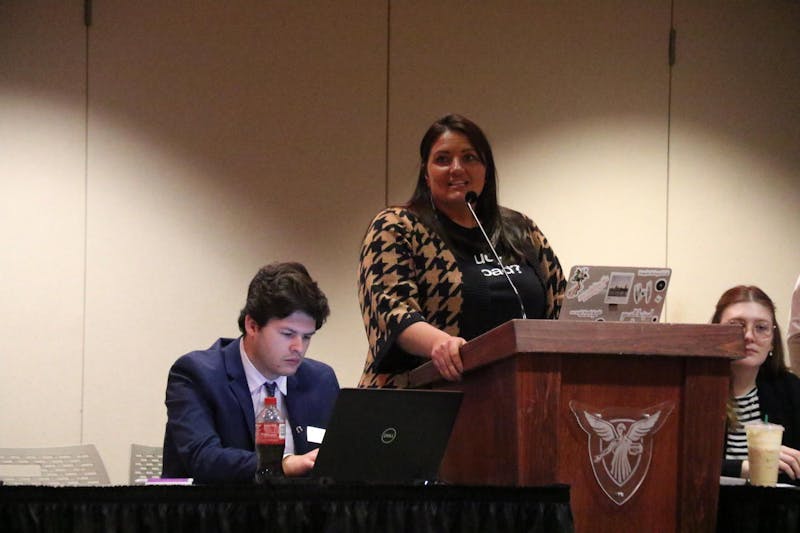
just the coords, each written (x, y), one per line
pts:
(762, 424)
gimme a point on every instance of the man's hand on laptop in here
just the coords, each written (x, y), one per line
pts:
(299, 465)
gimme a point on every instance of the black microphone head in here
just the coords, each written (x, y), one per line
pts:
(470, 197)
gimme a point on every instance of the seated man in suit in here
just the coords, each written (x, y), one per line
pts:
(213, 395)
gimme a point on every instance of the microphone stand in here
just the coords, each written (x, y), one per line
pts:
(471, 197)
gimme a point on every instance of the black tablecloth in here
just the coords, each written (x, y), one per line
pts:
(743, 508)
(290, 507)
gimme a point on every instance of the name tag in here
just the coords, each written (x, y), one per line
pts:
(314, 435)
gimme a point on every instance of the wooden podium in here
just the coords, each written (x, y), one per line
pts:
(516, 426)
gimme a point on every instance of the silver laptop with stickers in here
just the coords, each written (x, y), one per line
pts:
(615, 294)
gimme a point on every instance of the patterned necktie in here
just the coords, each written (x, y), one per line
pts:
(270, 385)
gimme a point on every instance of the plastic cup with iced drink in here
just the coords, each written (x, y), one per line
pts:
(763, 452)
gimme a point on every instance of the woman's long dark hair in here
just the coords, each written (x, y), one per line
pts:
(505, 231)
(774, 364)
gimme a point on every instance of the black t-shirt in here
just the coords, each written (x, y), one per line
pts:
(489, 300)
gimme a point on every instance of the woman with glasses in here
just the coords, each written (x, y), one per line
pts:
(761, 385)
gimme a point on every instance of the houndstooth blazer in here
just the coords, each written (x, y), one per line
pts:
(408, 274)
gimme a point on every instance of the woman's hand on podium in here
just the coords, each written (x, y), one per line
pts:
(446, 357)
(443, 349)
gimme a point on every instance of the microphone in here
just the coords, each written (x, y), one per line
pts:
(469, 198)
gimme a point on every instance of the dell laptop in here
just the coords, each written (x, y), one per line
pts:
(387, 436)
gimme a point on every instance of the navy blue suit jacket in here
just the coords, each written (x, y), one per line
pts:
(210, 419)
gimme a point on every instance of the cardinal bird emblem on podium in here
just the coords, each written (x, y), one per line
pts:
(620, 445)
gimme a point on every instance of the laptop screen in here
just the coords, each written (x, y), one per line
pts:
(615, 294)
(387, 435)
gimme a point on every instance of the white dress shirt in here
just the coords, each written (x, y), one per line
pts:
(255, 384)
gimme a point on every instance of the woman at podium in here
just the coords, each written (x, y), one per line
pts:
(429, 279)
(761, 384)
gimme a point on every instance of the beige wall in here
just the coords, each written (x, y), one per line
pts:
(218, 137)
(734, 202)
(42, 231)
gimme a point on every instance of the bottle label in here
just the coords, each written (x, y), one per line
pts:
(271, 433)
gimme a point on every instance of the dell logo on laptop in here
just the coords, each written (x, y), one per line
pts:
(388, 435)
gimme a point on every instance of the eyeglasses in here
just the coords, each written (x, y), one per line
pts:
(761, 330)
